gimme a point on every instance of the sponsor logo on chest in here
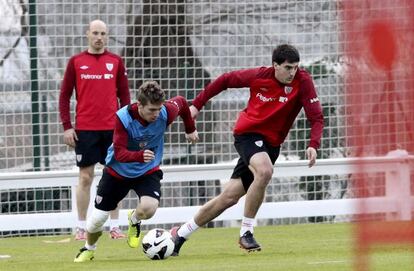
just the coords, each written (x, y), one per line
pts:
(264, 98)
(96, 76)
(283, 99)
(89, 76)
(283, 94)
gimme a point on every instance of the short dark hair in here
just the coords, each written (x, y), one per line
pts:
(285, 52)
(150, 91)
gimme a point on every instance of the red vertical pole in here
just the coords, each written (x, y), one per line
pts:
(378, 44)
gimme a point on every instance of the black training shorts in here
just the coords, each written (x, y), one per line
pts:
(111, 190)
(92, 147)
(247, 145)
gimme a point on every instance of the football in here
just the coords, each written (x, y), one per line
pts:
(157, 244)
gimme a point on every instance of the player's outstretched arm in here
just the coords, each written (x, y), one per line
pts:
(178, 106)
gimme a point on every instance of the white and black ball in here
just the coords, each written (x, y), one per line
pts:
(157, 244)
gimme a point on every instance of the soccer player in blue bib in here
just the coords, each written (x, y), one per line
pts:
(133, 162)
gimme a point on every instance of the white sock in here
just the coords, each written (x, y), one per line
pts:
(187, 229)
(246, 225)
(113, 223)
(82, 224)
(90, 247)
(134, 218)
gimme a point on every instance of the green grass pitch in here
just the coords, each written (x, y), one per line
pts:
(310, 247)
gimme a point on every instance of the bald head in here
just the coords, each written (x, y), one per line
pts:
(96, 23)
(97, 37)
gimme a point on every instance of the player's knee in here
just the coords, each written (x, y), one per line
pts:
(85, 182)
(146, 211)
(97, 220)
(85, 178)
(264, 175)
(231, 201)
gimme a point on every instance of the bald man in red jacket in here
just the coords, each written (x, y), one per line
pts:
(101, 84)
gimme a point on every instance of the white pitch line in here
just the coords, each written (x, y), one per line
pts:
(66, 240)
(328, 262)
(5, 256)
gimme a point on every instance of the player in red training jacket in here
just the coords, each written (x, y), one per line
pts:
(277, 94)
(100, 79)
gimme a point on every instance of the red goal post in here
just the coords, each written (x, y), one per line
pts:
(378, 43)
